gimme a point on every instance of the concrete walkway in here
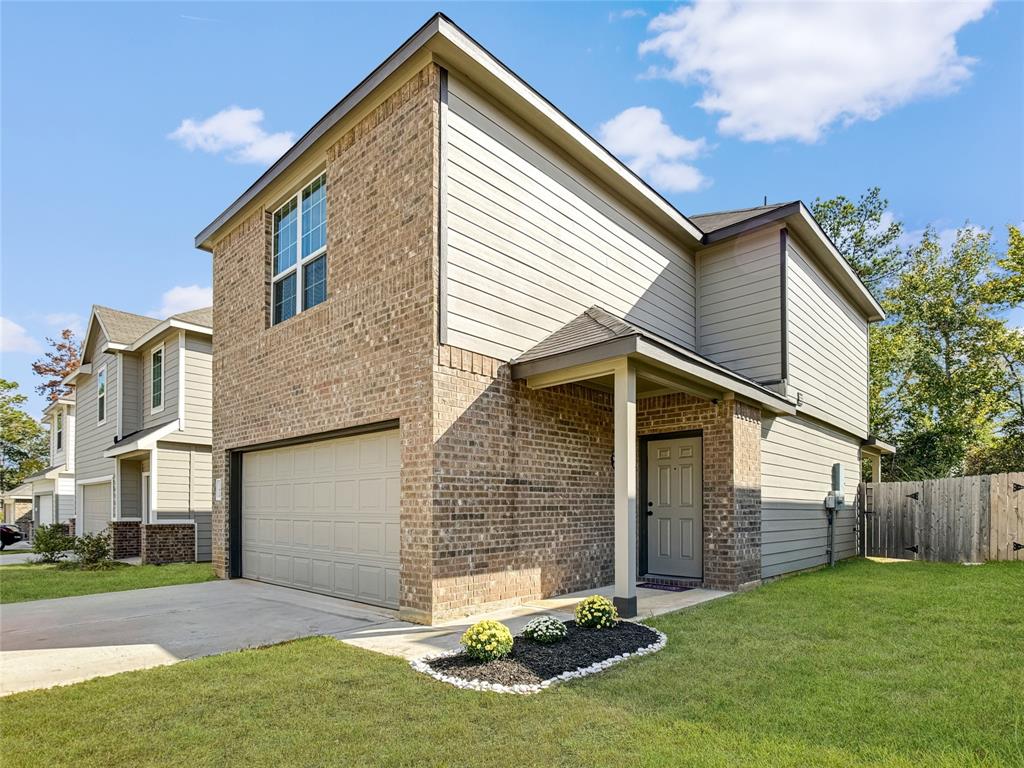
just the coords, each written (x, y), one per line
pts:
(55, 642)
(23, 554)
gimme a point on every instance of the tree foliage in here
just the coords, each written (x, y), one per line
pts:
(947, 372)
(24, 444)
(865, 233)
(55, 365)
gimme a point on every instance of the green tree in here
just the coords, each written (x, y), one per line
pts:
(24, 444)
(865, 233)
(948, 375)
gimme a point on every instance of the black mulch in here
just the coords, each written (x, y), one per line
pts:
(531, 662)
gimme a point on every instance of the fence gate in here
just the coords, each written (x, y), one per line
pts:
(954, 519)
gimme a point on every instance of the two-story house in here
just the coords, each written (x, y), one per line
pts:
(53, 489)
(465, 357)
(143, 434)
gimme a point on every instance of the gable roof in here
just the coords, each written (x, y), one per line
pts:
(599, 334)
(121, 327)
(442, 40)
(712, 222)
(202, 316)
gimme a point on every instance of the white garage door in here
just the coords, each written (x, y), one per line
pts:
(324, 517)
(96, 507)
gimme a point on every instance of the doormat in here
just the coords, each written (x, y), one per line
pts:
(664, 587)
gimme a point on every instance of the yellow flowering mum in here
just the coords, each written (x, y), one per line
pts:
(596, 612)
(487, 640)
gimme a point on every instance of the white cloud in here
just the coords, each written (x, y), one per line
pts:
(647, 143)
(62, 320)
(237, 132)
(14, 338)
(790, 70)
(182, 298)
(627, 13)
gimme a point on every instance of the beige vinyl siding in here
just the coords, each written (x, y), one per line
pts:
(532, 241)
(64, 498)
(169, 412)
(198, 387)
(797, 455)
(828, 356)
(69, 437)
(131, 489)
(184, 490)
(131, 415)
(91, 440)
(740, 305)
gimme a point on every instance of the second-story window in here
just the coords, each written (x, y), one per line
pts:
(58, 424)
(300, 251)
(101, 395)
(156, 366)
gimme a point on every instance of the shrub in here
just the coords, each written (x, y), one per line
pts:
(487, 640)
(51, 543)
(596, 612)
(545, 629)
(92, 549)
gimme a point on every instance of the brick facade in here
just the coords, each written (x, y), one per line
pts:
(168, 543)
(731, 433)
(506, 492)
(125, 538)
(365, 355)
(523, 486)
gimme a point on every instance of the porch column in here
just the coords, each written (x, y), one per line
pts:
(876, 467)
(625, 489)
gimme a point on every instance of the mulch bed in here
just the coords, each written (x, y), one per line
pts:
(531, 662)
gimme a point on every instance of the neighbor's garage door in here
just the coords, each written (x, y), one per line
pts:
(96, 507)
(324, 517)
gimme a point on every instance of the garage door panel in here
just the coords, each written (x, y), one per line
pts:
(327, 517)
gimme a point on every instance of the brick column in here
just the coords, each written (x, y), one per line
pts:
(124, 538)
(168, 543)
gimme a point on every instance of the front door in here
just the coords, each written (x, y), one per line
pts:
(675, 525)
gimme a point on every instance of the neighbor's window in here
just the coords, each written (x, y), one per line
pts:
(157, 369)
(59, 424)
(300, 251)
(101, 395)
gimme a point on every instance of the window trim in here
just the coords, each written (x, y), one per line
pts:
(58, 429)
(300, 261)
(163, 377)
(101, 374)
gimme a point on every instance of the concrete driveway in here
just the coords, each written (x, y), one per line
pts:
(54, 642)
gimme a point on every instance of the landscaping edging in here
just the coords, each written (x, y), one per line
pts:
(423, 665)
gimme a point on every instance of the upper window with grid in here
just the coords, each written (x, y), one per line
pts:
(300, 251)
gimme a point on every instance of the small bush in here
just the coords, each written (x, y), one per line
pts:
(487, 640)
(596, 612)
(92, 549)
(51, 543)
(545, 629)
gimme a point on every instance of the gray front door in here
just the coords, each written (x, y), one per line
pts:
(675, 530)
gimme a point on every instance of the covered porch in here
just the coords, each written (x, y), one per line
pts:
(686, 446)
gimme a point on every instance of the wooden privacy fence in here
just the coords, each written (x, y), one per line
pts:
(955, 519)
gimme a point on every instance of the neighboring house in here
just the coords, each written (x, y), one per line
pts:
(53, 489)
(144, 429)
(459, 344)
(17, 503)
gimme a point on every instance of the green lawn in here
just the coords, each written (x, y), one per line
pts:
(19, 583)
(896, 665)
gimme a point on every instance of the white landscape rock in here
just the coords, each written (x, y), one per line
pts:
(423, 665)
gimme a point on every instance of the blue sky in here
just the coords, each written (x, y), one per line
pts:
(111, 162)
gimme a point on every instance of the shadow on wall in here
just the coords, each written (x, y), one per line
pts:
(523, 490)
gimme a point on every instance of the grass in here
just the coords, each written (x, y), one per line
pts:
(19, 583)
(869, 664)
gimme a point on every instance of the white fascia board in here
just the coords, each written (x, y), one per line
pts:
(166, 325)
(145, 443)
(85, 368)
